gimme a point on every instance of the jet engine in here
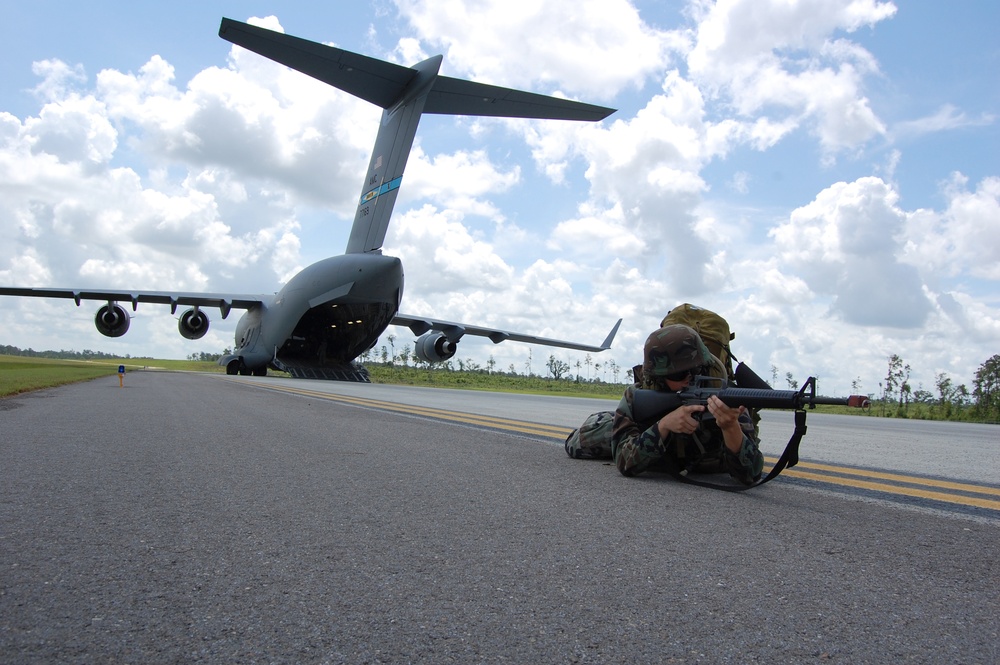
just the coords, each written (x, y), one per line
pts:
(434, 347)
(193, 324)
(112, 320)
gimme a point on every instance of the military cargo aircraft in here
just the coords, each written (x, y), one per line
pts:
(334, 310)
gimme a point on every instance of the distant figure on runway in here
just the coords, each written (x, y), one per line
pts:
(679, 441)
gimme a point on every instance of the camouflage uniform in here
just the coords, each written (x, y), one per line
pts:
(672, 350)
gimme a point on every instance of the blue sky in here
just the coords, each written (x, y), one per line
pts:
(821, 172)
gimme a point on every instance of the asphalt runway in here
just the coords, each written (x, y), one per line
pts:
(196, 518)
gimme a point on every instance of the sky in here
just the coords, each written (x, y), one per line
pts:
(822, 173)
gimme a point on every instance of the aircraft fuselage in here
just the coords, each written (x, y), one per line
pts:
(328, 314)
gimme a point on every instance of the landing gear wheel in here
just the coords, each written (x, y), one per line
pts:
(233, 367)
(260, 371)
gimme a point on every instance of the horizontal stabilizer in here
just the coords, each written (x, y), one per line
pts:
(384, 83)
(370, 79)
(458, 97)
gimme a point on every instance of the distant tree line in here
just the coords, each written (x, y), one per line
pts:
(898, 398)
(86, 354)
(587, 370)
(206, 357)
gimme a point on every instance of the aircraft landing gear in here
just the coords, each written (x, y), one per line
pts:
(237, 366)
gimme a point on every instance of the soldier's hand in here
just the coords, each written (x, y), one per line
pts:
(681, 420)
(725, 416)
(728, 420)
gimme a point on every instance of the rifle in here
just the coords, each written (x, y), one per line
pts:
(651, 405)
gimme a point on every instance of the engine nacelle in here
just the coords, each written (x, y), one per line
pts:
(193, 323)
(112, 320)
(434, 347)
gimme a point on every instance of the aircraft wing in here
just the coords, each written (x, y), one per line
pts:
(224, 301)
(419, 325)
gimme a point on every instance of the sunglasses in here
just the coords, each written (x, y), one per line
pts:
(679, 376)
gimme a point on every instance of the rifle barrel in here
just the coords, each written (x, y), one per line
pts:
(784, 399)
(761, 399)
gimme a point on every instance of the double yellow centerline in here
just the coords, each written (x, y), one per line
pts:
(548, 431)
(966, 494)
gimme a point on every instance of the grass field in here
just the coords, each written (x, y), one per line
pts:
(20, 374)
(463, 380)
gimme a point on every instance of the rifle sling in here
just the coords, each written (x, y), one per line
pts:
(788, 459)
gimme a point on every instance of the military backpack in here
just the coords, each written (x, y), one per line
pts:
(712, 328)
(592, 439)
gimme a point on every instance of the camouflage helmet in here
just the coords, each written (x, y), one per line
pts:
(674, 349)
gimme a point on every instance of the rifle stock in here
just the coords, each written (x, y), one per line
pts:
(651, 405)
